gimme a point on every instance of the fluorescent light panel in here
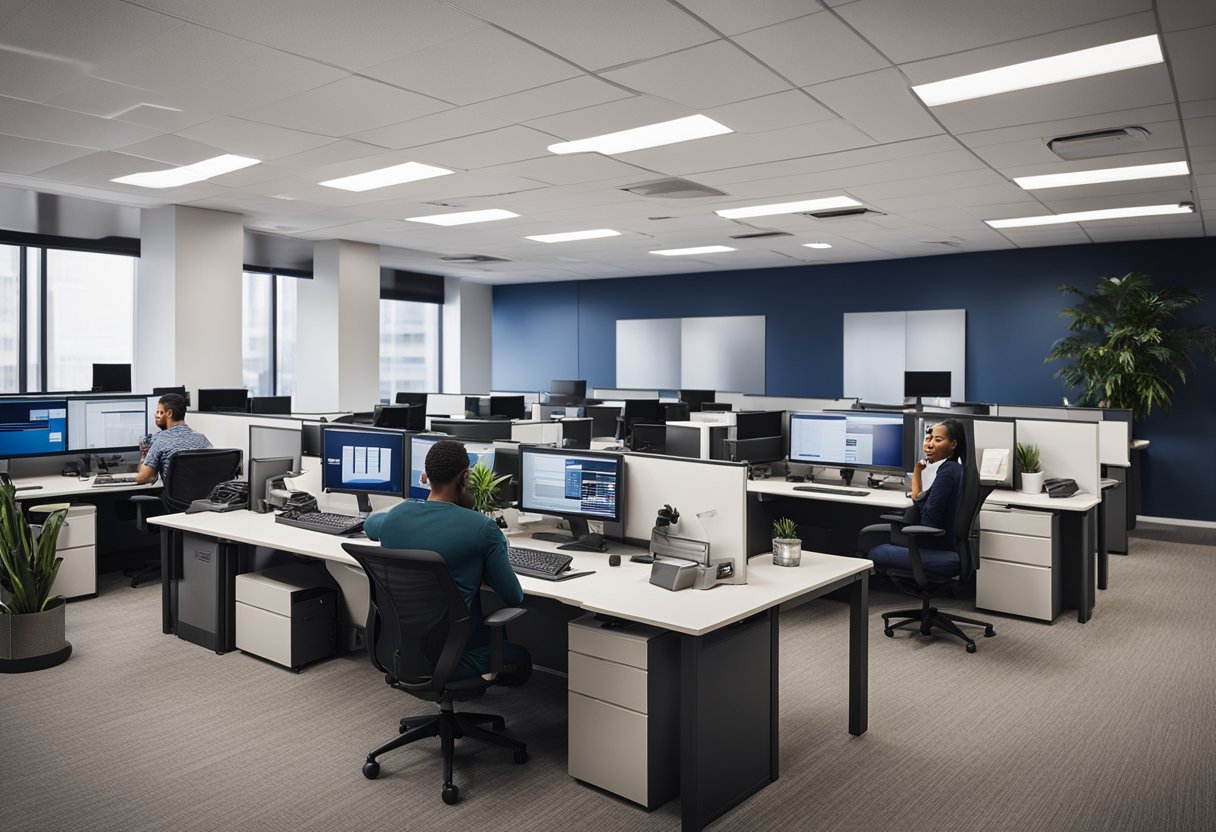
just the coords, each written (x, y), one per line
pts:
(818, 245)
(567, 236)
(465, 217)
(186, 174)
(650, 135)
(382, 178)
(1087, 216)
(1092, 177)
(824, 204)
(1112, 57)
(676, 252)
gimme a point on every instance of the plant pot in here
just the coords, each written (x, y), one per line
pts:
(34, 641)
(1032, 483)
(787, 551)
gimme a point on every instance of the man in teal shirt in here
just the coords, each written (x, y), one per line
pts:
(471, 545)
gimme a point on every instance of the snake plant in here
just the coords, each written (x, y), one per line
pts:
(28, 563)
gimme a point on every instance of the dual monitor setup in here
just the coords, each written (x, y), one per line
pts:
(56, 425)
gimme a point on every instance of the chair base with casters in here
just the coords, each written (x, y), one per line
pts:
(928, 618)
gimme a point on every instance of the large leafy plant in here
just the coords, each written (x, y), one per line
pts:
(483, 485)
(28, 564)
(1127, 350)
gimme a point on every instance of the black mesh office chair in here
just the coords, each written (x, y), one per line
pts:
(925, 571)
(417, 630)
(192, 475)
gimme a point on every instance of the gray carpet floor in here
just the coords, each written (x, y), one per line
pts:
(1109, 725)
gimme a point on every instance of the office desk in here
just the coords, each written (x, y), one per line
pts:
(729, 643)
(52, 487)
(1077, 515)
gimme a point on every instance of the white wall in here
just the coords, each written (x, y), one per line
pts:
(467, 325)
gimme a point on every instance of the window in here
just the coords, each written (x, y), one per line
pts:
(90, 315)
(10, 319)
(409, 347)
(268, 339)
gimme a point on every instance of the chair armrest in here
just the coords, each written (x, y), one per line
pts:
(146, 506)
(893, 518)
(875, 528)
(497, 622)
(501, 617)
(922, 531)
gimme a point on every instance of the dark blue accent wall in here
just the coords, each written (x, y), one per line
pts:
(544, 331)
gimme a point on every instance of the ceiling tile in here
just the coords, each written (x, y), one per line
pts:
(28, 156)
(705, 76)
(568, 170)
(449, 124)
(812, 49)
(171, 150)
(880, 104)
(571, 94)
(1194, 62)
(476, 66)
(771, 112)
(1195, 109)
(1141, 116)
(351, 105)
(87, 33)
(1163, 137)
(510, 144)
(1185, 14)
(35, 77)
(35, 121)
(732, 17)
(610, 117)
(249, 138)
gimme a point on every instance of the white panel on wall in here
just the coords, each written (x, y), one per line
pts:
(936, 340)
(648, 353)
(723, 354)
(874, 356)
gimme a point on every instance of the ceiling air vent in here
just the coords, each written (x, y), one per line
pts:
(1099, 143)
(473, 258)
(841, 213)
(672, 189)
(760, 235)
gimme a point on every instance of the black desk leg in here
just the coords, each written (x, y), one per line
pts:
(168, 586)
(1086, 591)
(1103, 555)
(859, 655)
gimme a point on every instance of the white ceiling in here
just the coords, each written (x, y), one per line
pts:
(816, 92)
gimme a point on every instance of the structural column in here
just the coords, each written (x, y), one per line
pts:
(467, 326)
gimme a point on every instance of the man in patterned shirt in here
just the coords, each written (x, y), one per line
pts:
(175, 435)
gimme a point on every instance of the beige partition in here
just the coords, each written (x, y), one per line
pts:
(1066, 449)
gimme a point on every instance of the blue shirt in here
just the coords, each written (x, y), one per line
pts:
(938, 506)
(168, 442)
(471, 544)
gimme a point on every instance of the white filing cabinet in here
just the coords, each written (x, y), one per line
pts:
(1020, 563)
(288, 614)
(624, 711)
(77, 545)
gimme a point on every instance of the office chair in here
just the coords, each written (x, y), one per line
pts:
(923, 573)
(192, 475)
(417, 630)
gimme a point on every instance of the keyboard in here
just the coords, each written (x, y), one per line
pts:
(114, 479)
(827, 489)
(322, 521)
(536, 564)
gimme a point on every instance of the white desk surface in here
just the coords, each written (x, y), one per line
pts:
(894, 498)
(52, 487)
(623, 591)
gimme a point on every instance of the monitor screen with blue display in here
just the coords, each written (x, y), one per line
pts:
(867, 440)
(363, 462)
(419, 445)
(33, 427)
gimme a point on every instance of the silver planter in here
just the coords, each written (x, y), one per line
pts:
(34, 641)
(787, 551)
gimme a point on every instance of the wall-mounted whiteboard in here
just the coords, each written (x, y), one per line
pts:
(880, 346)
(718, 353)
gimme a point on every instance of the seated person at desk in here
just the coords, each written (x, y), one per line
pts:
(472, 546)
(175, 435)
(935, 506)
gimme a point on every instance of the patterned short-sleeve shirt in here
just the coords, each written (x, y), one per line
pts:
(168, 442)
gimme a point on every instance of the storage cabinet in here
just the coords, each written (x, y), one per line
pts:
(624, 719)
(288, 615)
(1020, 563)
(77, 545)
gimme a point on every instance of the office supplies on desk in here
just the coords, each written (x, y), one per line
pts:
(828, 489)
(227, 496)
(537, 564)
(1060, 487)
(113, 479)
(322, 521)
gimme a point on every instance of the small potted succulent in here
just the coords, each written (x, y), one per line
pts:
(787, 546)
(1030, 469)
(483, 486)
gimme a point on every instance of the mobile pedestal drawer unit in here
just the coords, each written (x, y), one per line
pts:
(1020, 563)
(624, 720)
(288, 615)
(77, 576)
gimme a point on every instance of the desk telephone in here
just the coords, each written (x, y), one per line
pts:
(227, 496)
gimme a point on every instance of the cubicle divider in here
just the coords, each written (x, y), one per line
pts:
(231, 430)
(1114, 426)
(536, 433)
(717, 491)
(446, 404)
(1066, 449)
(619, 394)
(744, 401)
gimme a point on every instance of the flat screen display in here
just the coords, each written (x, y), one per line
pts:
(109, 424)
(847, 440)
(33, 427)
(420, 445)
(363, 461)
(571, 483)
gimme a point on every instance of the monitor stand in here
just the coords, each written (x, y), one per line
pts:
(365, 503)
(579, 540)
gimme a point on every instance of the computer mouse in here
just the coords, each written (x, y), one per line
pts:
(614, 560)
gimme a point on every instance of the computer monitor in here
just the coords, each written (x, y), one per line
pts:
(362, 462)
(270, 405)
(506, 463)
(267, 442)
(676, 411)
(33, 427)
(404, 397)
(567, 391)
(401, 416)
(697, 398)
(754, 424)
(867, 440)
(759, 438)
(116, 423)
(111, 378)
(420, 444)
(157, 392)
(476, 407)
(646, 411)
(927, 384)
(260, 472)
(310, 439)
(576, 433)
(603, 418)
(510, 406)
(718, 407)
(475, 430)
(223, 400)
(577, 485)
(648, 439)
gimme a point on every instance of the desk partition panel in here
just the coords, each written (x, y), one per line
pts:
(1066, 449)
(536, 433)
(231, 430)
(692, 486)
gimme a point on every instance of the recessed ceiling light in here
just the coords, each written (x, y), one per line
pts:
(1112, 57)
(1086, 216)
(465, 217)
(574, 235)
(823, 204)
(650, 135)
(818, 245)
(184, 175)
(1090, 177)
(676, 252)
(382, 178)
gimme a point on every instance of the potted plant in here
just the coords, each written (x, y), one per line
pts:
(1029, 468)
(483, 486)
(787, 546)
(1128, 348)
(31, 620)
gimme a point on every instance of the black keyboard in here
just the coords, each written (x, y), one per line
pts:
(538, 564)
(322, 521)
(114, 479)
(827, 489)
